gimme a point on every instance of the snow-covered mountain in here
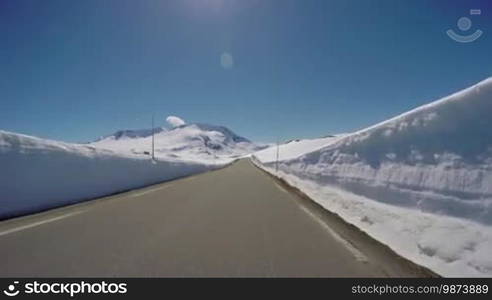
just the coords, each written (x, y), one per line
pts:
(420, 182)
(132, 133)
(194, 141)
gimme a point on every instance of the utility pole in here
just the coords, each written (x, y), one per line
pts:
(276, 161)
(152, 136)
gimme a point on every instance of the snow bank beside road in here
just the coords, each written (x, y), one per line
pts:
(420, 182)
(37, 174)
(451, 247)
(294, 148)
(436, 158)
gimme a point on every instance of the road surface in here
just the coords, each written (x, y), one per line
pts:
(236, 221)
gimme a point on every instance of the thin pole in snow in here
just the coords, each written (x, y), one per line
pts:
(152, 136)
(276, 161)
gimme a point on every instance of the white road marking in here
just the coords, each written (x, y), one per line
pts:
(355, 252)
(23, 227)
(281, 188)
(150, 191)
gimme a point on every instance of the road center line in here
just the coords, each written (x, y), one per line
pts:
(23, 227)
(355, 252)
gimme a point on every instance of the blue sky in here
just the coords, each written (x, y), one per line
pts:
(76, 70)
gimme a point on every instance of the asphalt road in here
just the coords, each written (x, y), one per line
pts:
(236, 221)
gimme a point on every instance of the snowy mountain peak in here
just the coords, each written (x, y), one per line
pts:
(229, 135)
(195, 141)
(132, 133)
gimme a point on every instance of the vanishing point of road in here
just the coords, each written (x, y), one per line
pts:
(233, 222)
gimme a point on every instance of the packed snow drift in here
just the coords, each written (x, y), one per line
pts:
(294, 148)
(38, 174)
(420, 182)
(200, 142)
